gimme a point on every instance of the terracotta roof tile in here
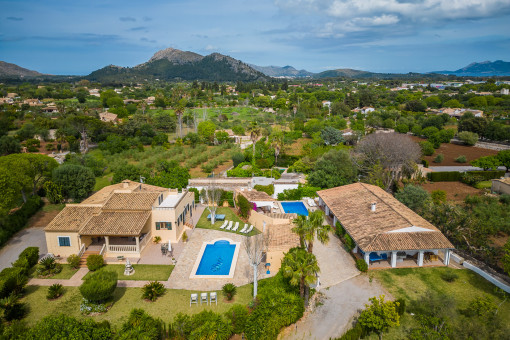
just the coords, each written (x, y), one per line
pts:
(131, 201)
(72, 218)
(351, 204)
(116, 223)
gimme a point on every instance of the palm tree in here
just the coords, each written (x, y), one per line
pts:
(301, 225)
(317, 228)
(301, 267)
(254, 135)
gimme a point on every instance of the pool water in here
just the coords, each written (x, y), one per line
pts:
(295, 208)
(216, 259)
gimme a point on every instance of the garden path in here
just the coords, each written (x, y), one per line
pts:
(340, 304)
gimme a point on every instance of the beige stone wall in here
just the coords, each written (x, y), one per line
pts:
(500, 187)
(55, 249)
(258, 219)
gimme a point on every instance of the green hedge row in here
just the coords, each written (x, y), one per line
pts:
(455, 176)
(16, 221)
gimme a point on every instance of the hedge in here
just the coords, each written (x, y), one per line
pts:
(454, 176)
(16, 221)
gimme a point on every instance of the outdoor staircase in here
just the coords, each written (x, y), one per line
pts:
(83, 259)
(189, 225)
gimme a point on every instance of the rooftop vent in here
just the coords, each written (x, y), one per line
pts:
(373, 207)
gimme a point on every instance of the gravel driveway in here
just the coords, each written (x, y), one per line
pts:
(28, 237)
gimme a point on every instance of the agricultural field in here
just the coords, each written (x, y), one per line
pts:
(452, 151)
(455, 191)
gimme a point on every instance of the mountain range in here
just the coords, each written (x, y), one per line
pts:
(173, 65)
(485, 68)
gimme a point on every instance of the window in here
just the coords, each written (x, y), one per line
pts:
(64, 241)
(160, 199)
(163, 225)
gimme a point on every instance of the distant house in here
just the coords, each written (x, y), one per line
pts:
(108, 117)
(94, 92)
(50, 109)
(457, 112)
(32, 102)
(385, 232)
(120, 219)
(326, 103)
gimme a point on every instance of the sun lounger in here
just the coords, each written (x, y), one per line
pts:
(193, 299)
(230, 225)
(249, 229)
(244, 228)
(213, 298)
(224, 224)
(236, 227)
(311, 203)
(203, 298)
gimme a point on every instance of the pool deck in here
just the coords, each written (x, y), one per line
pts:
(180, 277)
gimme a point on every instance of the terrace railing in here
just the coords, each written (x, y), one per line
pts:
(103, 249)
(82, 250)
(125, 248)
(144, 241)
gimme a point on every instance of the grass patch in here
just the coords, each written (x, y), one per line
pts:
(411, 283)
(483, 185)
(102, 182)
(125, 299)
(230, 215)
(53, 207)
(143, 272)
(66, 273)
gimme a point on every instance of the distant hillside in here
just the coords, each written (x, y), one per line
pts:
(173, 64)
(485, 68)
(13, 70)
(343, 72)
(286, 71)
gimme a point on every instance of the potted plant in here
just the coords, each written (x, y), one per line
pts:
(156, 239)
(184, 237)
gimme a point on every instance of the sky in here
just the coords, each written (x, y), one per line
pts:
(76, 37)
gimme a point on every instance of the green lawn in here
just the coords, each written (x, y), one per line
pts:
(411, 283)
(66, 273)
(125, 299)
(204, 223)
(102, 182)
(53, 207)
(149, 272)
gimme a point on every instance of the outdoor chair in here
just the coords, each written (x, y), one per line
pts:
(213, 298)
(224, 224)
(193, 299)
(244, 228)
(230, 225)
(249, 229)
(236, 227)
(203, 298)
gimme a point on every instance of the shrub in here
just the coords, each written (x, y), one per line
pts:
(425, 163)
(73, 260)
(99, 286)
(354, 333)
(12, 281)
(238, 317)
(12, 308)
(95, 262)
(469, 138)
(449, 275)
(401, 308)
(439, 158)
(66, 327)
(17, 220)
(48, 266)
(229, 291)
(349, 242)
(268, 189)
(153, 290)
(31, 254)
(427, 148)
(461, 159)
(361, 265)
(141, 325)
(438, 196)
(244, 206)
(55, 291)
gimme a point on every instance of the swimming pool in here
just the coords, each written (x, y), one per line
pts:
(216, 259)
(295, 208)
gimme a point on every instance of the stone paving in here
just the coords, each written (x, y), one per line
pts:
(179, 279)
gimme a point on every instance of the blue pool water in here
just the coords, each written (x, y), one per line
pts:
(295, 208)
(216, 259)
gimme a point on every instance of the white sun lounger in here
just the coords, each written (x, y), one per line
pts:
(249, 229)
(230, 225)
(193, 299)
(224, 224)
(213, 298)
(203, 298)
(311, 203)
(236, 227)
(244, 228)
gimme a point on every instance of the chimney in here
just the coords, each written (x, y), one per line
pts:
(125, 184)
(373, 207)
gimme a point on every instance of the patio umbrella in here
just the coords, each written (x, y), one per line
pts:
(169, 246)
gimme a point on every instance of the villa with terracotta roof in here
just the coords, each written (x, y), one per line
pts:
(121, 219)
(385, 231)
